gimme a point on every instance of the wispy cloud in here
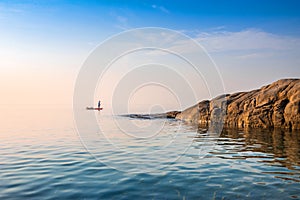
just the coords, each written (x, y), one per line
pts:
(255, 55)
(8, 11)
(121, 21)
(121, 17)
(160, 8)
(245, 44)
(250, 39)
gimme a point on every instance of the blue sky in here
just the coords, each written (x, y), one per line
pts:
(86, 20)
(46, 40)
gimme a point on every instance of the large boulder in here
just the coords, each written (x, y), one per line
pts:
(274, 105)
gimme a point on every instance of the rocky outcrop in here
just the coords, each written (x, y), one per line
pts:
(274, 105)
(171, 114)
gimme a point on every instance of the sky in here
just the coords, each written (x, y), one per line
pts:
(45, 43)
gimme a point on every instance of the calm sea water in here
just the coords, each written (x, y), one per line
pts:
(42, 157)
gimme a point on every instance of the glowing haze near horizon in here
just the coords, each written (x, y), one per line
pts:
(44, 43)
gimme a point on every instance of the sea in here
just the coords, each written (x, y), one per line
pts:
(46, 154)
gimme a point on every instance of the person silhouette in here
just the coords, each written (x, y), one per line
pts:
(99, 104)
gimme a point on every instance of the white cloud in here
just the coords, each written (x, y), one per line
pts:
(251, 39)
(161, 8)
(122, 19)
(122, 22)
(255, 55)
(245, 44)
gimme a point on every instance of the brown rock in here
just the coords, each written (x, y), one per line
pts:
(274, 105)
(172, 114)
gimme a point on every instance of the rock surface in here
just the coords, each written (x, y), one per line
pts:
(274, 105)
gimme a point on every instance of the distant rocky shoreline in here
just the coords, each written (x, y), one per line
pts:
(276, 105)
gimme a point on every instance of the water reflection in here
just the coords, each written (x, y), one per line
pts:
(281, 145)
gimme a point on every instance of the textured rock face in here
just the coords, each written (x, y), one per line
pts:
(274, 105)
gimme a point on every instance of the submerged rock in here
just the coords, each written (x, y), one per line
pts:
(274, 105)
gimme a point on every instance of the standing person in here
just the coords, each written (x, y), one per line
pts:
(99, 104)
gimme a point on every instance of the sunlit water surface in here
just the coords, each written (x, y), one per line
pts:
(42, 157)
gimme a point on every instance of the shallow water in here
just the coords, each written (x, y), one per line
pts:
(42, 157)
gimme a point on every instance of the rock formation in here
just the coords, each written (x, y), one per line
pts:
(274, 105)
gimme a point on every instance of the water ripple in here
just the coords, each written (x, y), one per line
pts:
(52, 164)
